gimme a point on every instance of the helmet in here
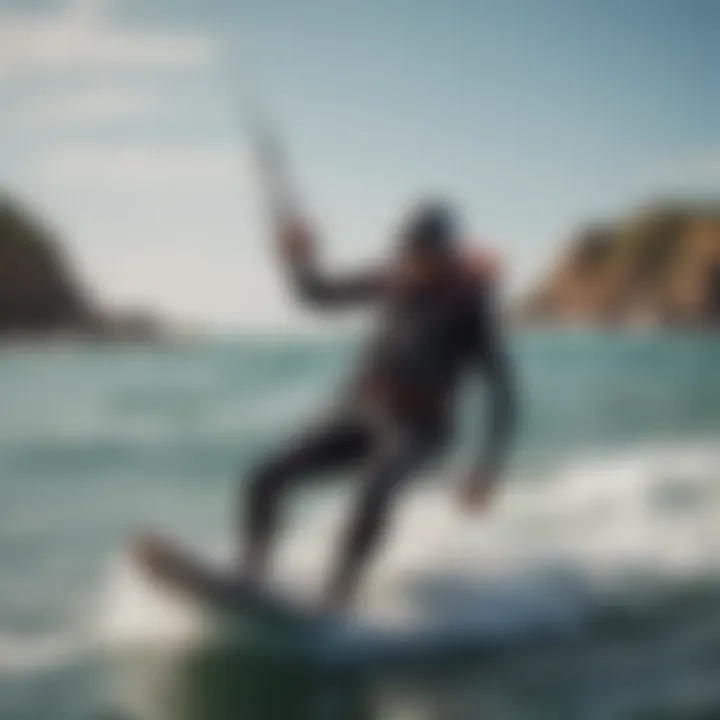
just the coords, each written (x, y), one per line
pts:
(431, 226)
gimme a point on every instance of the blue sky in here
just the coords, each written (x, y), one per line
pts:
(122, 121)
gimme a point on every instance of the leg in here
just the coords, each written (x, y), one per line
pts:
(393, 465)
(336, 442)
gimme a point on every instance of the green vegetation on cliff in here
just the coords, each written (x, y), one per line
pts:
(659, 266)
(39, 292)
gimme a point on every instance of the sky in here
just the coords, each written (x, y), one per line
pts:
(125, 123)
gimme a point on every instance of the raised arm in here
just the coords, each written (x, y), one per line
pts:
(312, 285)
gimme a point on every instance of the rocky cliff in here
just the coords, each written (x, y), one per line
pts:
(40, 293)
(660, 266)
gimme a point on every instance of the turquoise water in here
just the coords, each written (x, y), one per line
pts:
(604, 537)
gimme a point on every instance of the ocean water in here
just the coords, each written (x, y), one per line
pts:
(594, 576)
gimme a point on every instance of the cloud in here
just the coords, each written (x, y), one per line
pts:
(87, 106)
(144, 167)
(230, 282)
(184, 275)
(80, 35)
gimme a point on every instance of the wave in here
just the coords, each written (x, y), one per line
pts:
(23, 654)
(134, 611)
(614, 542)
(633, 530)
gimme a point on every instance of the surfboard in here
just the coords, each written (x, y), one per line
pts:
(165, 562)
(296, 630)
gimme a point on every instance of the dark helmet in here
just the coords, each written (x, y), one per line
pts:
(431, 226)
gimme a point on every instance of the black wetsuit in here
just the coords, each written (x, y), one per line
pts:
(395, 414)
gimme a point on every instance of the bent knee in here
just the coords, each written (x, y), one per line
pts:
(376, 499)
(265, 481)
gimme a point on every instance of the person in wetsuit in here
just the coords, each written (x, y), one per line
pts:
(437, 321)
